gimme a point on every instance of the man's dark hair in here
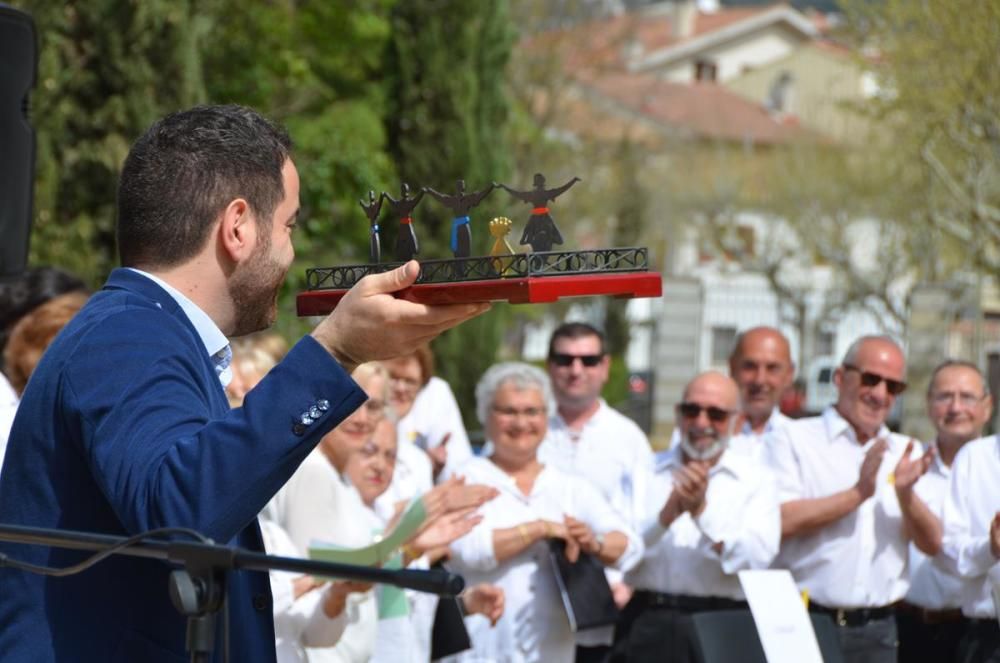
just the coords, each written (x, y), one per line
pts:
(185, 169)
(575, 330)
(34, 287)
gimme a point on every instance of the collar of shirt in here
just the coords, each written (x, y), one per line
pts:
(772, 422)
(673, 459)
(557, 421)
(508, 484)
(837, 426)
(215, 342)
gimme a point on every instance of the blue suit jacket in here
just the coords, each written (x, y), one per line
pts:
(125, 427)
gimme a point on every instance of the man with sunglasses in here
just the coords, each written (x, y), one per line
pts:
(588, 438)
(706, 514)
(844, 525)
(761, 364)
(930, 619)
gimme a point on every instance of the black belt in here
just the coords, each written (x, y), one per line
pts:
(855, 617)
(930, 617)
(685, 603)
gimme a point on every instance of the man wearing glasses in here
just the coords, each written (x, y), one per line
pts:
(844, 523)
(706, 514)
(588, 438)
(930, 618)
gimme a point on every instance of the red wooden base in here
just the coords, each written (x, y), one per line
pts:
(531, 290)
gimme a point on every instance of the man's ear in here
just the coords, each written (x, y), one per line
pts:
(237, 232)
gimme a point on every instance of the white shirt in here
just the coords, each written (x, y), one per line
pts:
(973, 500)
(298, 622)
(534, 626)
(859, 561)
(932, 586)
(433, 415)
(317, 504)
(8, 407)
(741, 512)
(745, 440)
(608, 452)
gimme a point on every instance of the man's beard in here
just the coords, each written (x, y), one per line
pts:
(719, 443)
(254, 288)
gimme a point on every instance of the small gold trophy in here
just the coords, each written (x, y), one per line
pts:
(500, 228)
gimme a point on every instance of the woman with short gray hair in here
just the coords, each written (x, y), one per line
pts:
(536, 503)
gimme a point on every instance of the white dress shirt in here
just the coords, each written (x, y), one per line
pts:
(609, 451)
(317, 504)
(534, 626)
(932, 586)
(745, 440)
(434, 415)
(8, 407)
(741, 512)
(298, 622)
(973, 500)
(861, 560)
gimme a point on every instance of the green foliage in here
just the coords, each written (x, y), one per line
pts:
(102, 67)
(446, 115)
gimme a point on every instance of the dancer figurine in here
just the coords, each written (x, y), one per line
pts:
(540, 232)
(372, 209)
(406, 238)
(460, 205)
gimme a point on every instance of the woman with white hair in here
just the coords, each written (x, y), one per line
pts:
(536, 503)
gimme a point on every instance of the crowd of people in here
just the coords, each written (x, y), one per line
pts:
(141, 415)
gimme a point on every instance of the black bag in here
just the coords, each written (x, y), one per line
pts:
(584, 588)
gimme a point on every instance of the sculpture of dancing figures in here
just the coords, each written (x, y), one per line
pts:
(460, 205)
(540, 232)
(372, 209)
(406, 238)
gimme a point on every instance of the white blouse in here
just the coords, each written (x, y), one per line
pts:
(534, 626)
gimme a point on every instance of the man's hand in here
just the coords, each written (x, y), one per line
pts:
(691, 484)
(484, 599)
(584, 536)
(671, 510)
(869, 468)
(622, 594)
(909, 470)
(995, 535)
(369, 323)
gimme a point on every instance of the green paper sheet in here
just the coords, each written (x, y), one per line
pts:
(379, 552)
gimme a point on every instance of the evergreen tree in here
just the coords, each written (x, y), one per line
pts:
(107, 70)
(446, 119)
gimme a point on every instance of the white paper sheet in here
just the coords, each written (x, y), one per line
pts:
(783, 624)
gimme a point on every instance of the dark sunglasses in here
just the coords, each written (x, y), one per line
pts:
(692, 410)
(871, 380)
(560, 359)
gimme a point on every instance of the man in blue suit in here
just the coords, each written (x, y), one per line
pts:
(124, 426)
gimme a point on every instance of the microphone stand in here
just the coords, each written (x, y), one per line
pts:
(198, 589)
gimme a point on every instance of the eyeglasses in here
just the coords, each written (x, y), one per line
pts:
(964, 398)
(692, 410)
(512, 412)
(560, 359)
(871, 380)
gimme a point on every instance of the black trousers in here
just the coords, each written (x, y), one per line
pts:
(595, 654)
(920, 641)
(981, 642)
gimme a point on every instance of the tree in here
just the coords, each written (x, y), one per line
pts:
(446, 119)
(102, 67)
(937, 69)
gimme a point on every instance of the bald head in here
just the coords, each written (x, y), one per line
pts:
(761, 365)
(868, 381)
(706, 414)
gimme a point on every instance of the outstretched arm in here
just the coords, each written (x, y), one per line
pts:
(437, 195)
(391, 200)
(478, 197)
(555, 193)
(520, 195)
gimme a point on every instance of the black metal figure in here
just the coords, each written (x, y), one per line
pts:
(372, 209)
(460, 205)
(541, 231)
(406, 238)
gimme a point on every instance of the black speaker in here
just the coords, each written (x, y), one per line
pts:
(18, 70)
